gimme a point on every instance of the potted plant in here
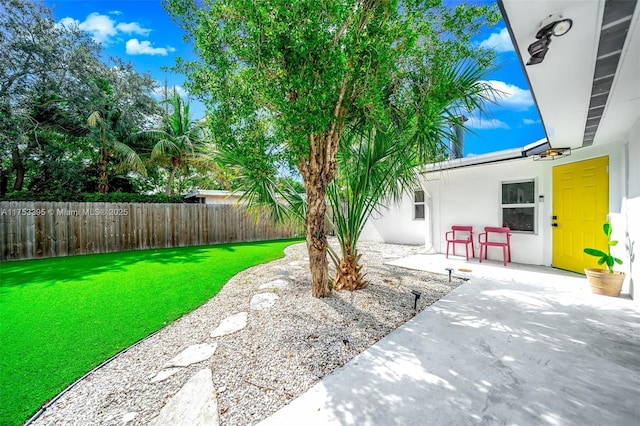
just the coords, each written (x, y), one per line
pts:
(605, 281)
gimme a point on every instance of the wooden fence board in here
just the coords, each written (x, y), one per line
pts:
(30, 230)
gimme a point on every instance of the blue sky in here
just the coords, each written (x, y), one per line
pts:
(141, 32)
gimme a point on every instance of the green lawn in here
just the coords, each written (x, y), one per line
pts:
(61, 317)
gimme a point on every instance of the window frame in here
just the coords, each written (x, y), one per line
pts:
(422, 203)
(533, 204)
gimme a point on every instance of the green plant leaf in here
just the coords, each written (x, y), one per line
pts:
(618, 261)
(613, 243)
(595, 252)
(607, 229)
(602, 260)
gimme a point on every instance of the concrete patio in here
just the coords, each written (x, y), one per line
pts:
(517, 345)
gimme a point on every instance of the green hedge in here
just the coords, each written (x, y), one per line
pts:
(111, 197)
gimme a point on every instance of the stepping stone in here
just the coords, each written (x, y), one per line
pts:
(263, 301)
(194, 405)
(279, 284)
(191, 355)
(129, 417)
(230, 325)
(165, 374)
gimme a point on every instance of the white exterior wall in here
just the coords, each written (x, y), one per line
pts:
(220, 199)
(471, 195)
(396, 224)
(631, 213)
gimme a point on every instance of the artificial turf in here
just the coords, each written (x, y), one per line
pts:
(61, 317)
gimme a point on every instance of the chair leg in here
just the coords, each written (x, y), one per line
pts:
(480, 253)
(448, 249)
(504, 255)
(466, 251)
(473, 251)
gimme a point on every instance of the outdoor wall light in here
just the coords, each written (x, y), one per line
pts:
(552, 25)
(562, 27)
(552, 154)
(417, 294)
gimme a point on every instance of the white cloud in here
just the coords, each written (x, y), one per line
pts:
(136, 47)
(500, 42)
(69, 22)
(159, 90)
(482, 123)
(115, 12)
(511, 96)
(528, 121)
(103, 29)
(132, 28)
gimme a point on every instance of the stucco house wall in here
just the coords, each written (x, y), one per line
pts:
(396, 224)
(471, 195)
(213, 197)
(631, 209)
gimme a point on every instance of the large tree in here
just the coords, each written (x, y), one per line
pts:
(52, 78)
(41, 63)
(311, 68)
(178, 140)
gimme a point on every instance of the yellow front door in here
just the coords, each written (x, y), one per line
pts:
(580, 207)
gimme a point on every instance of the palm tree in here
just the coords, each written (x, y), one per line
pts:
(178, 140)
(378, 165)
(108, 129)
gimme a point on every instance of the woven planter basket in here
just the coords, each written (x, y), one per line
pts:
(602, 282)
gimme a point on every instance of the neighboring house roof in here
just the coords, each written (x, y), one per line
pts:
(202, 193)
(587, 88)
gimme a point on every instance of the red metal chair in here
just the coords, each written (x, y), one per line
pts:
(460, 235)
(496, 237)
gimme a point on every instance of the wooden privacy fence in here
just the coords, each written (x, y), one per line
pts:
(31, 230)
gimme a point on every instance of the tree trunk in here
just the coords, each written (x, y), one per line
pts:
(348, 275)
(103, 185)
(175, 164)
(317, 171)
(317, 241)
(18, 167)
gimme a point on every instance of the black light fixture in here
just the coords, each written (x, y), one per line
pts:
(450, 270)
(538, 49)
(417, 295)
(552, 25)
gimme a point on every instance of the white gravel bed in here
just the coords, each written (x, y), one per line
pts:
(281, 353)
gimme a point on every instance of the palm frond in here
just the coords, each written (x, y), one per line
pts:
(128, 157)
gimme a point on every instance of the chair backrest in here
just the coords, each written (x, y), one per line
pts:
(462, 232)
(499, 231)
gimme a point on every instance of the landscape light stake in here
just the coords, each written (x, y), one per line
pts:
(450, 271)
(415, 302)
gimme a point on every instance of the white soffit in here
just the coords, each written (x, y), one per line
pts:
(563, 82)
(623, 108)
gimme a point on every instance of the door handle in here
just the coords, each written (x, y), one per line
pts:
(555, 225)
